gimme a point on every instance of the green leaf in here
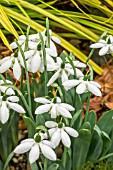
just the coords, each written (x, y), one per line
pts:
(105, 123)
(76, 115)
(8, 160)
(96, 145)
(86, 125)
(34, 166)
(110, 159)
(40, 120)
(106, 143)
(80, 148)
(31, 127)
(92, 119)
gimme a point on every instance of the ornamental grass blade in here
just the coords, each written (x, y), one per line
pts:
(4, 39)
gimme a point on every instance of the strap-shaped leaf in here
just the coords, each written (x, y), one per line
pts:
(80, 148)
(105, 123)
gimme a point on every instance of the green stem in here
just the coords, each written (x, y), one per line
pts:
(104, 157)
(64, 157)
(87, 107)
(45, 65)
(45, 163)
(27, 75)
(21, 82)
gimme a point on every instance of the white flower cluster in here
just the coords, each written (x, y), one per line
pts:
(62, 68)
(57, 131)
(33, 56)
(105, 45)
(8, 101)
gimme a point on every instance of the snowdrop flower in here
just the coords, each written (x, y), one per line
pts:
(7, 103)
(13, 62)
(105, 45)
(22, 40)
(64, 70)
(83, 86)
(36, 146)
(5, 89)
(59, 132)
(54, 107)
(35, 61)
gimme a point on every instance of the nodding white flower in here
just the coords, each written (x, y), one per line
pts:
(7, 103)
(59, 132)
(36, 146)
(13, 62)
(35, 60)
(64, 70)
(83, 86)
(54, 107)
(105, 45)
(5, 89)
(22, 40)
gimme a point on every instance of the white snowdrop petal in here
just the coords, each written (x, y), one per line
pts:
(64, 112)
(48, 143)
(43, 109)
(47, 152)
(79, 73)
(4, 60)
(95, 83)
(64, 76)
(81, 88)
(51, 131)
(6, 65)
(97, 45)
(111, 48)
(32, 45)
(23, 147)
(22, 37)
(16, 69)
(53, 111)
(52, 46)
(49, 59)
(65, 139)
(79, 64)
(92, 88)
(16, 107)
(34, 37)
(51, 67)
(4, 113)
(28, 140)
(35, 63)
(13, 98)
(50, 124)
(42, 100)
(103, 50)
(34, 153)
(55, 138)
(51, 52)
(67, 106)
(71, 83)
(55, 39)
(54, 77)
(9, 91)
(58, 100)
(29, 54)
(71, 131)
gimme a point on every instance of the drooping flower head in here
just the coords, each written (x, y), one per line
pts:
(64, 69)
(36, 146)
(59, 132)
(83, 85)
(54, 107)
(105, 45)
(7, 103)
